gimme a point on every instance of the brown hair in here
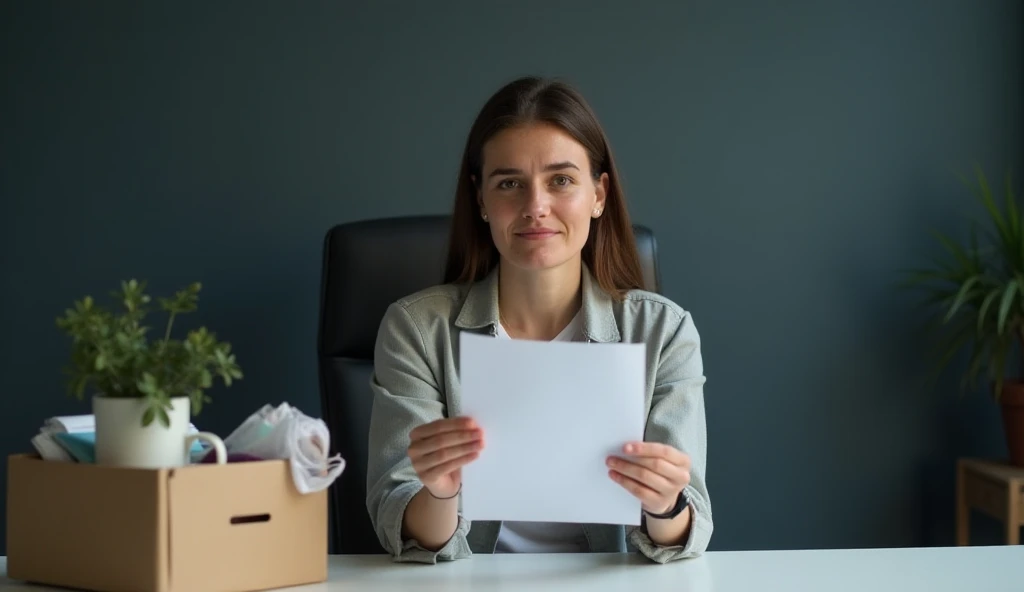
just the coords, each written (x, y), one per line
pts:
(610, 251)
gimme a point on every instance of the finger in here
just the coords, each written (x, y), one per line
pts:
(656, 449)
(647, 496)
(432, 444)
(440, 426)
(677, 475)
(443, 469)
(646, 477)
(444, 455)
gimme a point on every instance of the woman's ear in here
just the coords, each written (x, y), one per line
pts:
(600, 193)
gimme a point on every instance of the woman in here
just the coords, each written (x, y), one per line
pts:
(541, 248)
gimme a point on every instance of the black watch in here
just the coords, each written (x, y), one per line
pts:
(681, 502)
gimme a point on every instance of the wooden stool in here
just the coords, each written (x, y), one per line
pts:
(996, 489)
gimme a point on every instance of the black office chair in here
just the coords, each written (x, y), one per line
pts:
(367, 265)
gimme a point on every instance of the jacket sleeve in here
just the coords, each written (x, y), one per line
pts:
(677, 418)
(405, 395)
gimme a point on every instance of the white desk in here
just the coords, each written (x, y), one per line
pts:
(956, 569)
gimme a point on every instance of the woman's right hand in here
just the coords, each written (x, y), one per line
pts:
(439, 449)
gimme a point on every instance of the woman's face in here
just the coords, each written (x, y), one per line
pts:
(539, 196)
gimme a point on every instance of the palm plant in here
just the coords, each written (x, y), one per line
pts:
(977, 292)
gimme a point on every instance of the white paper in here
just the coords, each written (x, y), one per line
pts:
(551, 413)
(77, 424)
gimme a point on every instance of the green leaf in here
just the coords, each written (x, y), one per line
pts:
(148, 416)
(985, 304)
(78, 386)
(962, 296)
(1004, 306)
(916, 277)
(147, 384)
(165, 420)
(985, 193)
(1013, 213)
(205, 378)
(959, 254)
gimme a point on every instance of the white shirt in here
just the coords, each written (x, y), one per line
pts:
(543, 537)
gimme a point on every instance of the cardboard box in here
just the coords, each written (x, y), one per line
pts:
(201, 528)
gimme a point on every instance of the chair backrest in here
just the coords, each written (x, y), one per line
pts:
(367, 265)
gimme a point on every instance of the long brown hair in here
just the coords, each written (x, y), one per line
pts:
(610, 251)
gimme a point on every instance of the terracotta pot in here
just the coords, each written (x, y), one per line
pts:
(1012, 402)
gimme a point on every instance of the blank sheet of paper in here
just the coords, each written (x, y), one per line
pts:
(551, 413)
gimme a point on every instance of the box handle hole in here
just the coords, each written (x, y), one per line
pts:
(249, 519)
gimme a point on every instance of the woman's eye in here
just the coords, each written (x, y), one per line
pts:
(507, 184)
(562, 180)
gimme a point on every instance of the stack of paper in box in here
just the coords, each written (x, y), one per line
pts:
(70, 438)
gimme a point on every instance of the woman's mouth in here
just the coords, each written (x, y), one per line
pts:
(536, 233)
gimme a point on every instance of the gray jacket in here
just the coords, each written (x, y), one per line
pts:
(416, 380)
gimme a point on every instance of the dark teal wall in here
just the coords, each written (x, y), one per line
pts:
(789, 155)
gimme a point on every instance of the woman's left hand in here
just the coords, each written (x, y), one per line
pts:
(654, 473)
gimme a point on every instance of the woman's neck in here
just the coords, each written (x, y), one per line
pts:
(538, 305)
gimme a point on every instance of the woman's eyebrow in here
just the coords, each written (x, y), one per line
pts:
(556, 166)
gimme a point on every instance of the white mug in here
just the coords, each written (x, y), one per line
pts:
(121, 439)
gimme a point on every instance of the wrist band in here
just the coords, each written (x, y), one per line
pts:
(682, 501)
(453, 496)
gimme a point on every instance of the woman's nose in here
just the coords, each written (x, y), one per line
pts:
(538, 202)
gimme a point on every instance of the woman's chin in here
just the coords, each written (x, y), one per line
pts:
(540, 261)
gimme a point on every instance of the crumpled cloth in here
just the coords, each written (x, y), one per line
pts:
(284, 432)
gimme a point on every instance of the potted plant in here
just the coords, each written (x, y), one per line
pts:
(145, 387)
(977, 295)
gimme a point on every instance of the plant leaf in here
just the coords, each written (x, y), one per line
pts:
(1004, 306)
(985, 193)
(954, 249)
(962, 296)
(985, 304)
(165, 420)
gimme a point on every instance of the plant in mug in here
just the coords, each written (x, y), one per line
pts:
(114, 351)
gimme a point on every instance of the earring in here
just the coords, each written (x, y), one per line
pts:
(484, 216)
(597, 211)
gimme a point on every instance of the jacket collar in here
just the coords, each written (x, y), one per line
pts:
(480, 308)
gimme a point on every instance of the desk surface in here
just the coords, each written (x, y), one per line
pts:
(959, 569)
